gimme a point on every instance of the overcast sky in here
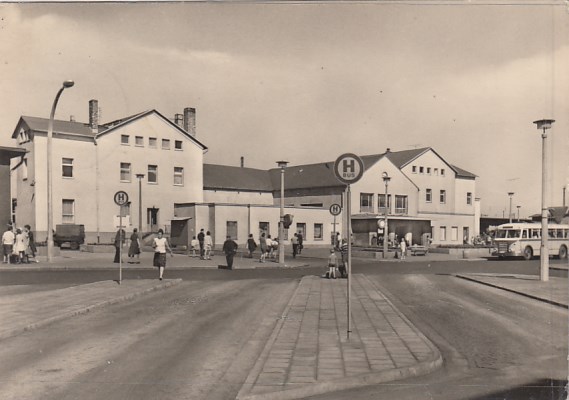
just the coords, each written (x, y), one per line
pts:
(308, 82)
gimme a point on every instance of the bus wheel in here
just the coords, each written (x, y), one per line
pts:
(528, 253)
(563, 252)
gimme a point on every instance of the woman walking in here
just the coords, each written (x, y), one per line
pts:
(134, 248)
(160, 245)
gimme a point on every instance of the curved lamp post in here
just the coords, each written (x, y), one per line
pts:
(65, 85)
(386, 178)
(544, 124)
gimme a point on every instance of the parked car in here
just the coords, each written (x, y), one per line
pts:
(69, 234)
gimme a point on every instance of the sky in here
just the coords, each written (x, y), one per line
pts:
(307, 82)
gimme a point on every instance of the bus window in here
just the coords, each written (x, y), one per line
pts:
(514, 234)
(524, 234)
(551, 233)
(535, 233)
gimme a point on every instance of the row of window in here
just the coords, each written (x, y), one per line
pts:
(454, 233)
(367, 203)
(126, 172)
(427, 170)
(152, 142)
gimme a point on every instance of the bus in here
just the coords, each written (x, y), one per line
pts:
(524, 240)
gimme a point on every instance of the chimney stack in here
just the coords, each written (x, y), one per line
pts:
(388, 150)
(179, 120)
(242, 161)
(190, 120)
(94, 115)
(72, 118)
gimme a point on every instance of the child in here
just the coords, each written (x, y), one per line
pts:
(195, 246)
(332, 265)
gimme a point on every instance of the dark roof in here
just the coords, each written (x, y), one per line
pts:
(235, 178)
(306, 176)
(404, 157)
(7, 153)
(69, 127)
(462, 173)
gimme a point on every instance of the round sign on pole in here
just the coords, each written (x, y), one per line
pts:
(348, 168)
(121, 198)
(335, 209)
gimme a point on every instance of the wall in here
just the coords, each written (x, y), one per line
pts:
(237, 197)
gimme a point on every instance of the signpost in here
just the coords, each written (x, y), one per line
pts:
(335, 210)
(121, 198)
(348, 169)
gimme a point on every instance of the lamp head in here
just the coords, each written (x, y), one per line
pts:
(544, 123)
(68, 84)
(510, 194)
(386, 178)
(282, 164)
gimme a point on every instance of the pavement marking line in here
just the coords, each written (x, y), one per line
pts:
(344, 364)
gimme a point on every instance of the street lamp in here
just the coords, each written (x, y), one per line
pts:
(140, 176)
(518, 207)
(544, 124)
(282, 165)
(511, 194)
(386, 178)
(65, 85)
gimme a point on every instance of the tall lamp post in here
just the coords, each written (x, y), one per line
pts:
(511, 194)
(140, 176)
(518, 207)
(386, 178)
(65, 85)
(282, 165)
(544, 125)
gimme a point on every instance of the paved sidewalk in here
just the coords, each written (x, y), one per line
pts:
(22, 311)
(309, 352)
(555, 291)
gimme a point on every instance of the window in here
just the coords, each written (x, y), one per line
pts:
(68, 211)
(232, 229)
(318, 231)
(178, 145)
(67, 167)
(414, 169)
(436, 171)
(152, 174)
(152, 142)
(125, 139)
(400, 204)
(442, 172)
(429, 170)
(366, 202)
(443, 196)
(429, 195)
(178, 176)
(125, 172)
(381, 203)
(454, 233)
(25, 169)
(301, 228)
(165, 144)
(139, 141)
(469, 198)
(443, 233)
(421, 170)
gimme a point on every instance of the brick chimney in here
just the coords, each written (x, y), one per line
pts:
(190, 120)
(94, 115)
(242, 161)
(179, 120)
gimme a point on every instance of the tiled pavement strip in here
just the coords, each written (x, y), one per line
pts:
(309, 352)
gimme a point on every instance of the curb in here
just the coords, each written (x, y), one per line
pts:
(421, 368)
(555, 303)
(146, 268)
(60, 317)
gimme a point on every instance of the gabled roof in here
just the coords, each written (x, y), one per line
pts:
(225, 177)
(461, 173)
(38, 124)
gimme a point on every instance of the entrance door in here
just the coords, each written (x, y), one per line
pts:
(466, 234)
(152, 218)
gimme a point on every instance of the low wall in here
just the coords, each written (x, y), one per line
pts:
(98, 248)
(471, 252)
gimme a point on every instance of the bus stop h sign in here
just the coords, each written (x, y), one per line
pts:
(348, 168)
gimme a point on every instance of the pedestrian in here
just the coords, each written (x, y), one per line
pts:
(230, 249)
(270, 250)
(294, 242)
(195, 246)
(201, 239)
(160, 245)
(300, 240)
(344, 258)
(263, 245)
(332, 263)
(119, 243)
(32, 242)
(251, 245)
(21, 245)
(403, 247)
(8, 240)
(134, 248)
(275, 249)
(208, 246)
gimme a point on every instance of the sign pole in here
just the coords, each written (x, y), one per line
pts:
(349, 217)
(120, 244)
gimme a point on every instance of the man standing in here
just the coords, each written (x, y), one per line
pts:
(8, 240)
(300, 240)
(294, 242)
(201, 239)
(229, 248)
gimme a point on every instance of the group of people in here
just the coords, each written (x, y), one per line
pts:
(269, 246)
(336, 264)
(202, 244)
(18, 245)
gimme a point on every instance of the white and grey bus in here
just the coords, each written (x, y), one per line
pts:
(524, 240)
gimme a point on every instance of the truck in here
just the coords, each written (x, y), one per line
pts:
(69, 234)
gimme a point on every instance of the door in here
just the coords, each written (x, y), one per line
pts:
(152, 218)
